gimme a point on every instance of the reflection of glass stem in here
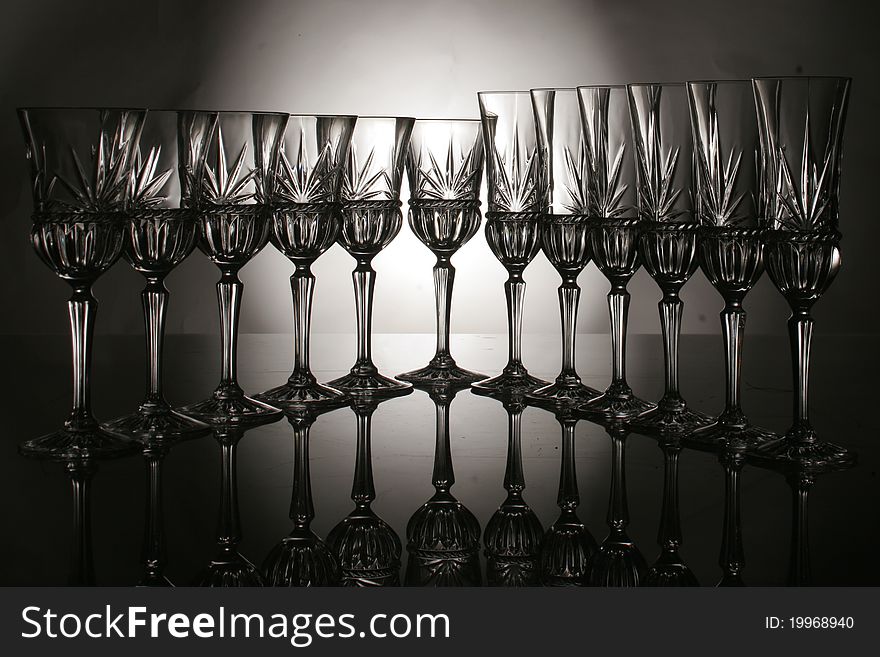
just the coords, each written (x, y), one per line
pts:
(514, 291)
(568, 499)
(443, 476)
(618, 509)
(154, 537)
(82, 570)
(569, 295)
(364, 278)
(800, 572)
(302, 509)
(732, 557)
(514, 479)
(82, 308)
(670, 323)
(800, 331)
(618, 309)
(229, 291)
(302, 287)
(669, 534)
(155, 301)
(444, 278)
(363, 491)
(229, 533)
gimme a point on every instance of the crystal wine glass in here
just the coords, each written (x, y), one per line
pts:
(516, 201)
(366, 547)
(614, 229)
(371, 218)
(731, 251)
(240, 166)
(161, 232)
(569, 547)
(443, 535)
(668, 241)
(513, 535)
(801, 122)
(305, 223)
(81, 162)
(565, 227)
(444, 165)
(301, 558)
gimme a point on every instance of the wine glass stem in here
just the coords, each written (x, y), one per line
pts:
(618, 309)
(230, 524)
(229, 291)
(800, 331)
(618, 510)
(364, 278)
(669, 535)
(733, 326)
(800, 568)
(732, 557)
(82, 308)
(363, 491)
(569, 295)
(82, 571)
(443, 477)
(302, 287)
(568, 498)
(155, 301)
(670, 325)
(444, 278)
(154, 539)
(514, 290)
(514, 479)
(302, 508)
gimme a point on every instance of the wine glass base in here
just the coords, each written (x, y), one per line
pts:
(160, 424)
(787, 451)
(370, 385)
(312, 395)
(235, 410)
(441, 375)
(666, 420)
(70, 445)
(613, 406)
(230, 570)
(563, 394)
(720, 435)
(508, 383)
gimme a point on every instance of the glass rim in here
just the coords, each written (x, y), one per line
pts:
(601, 86)
(505, 92)
(386, 116)
(722, 81)
(803, 77)
(301, 115)
(552, 89)
(234, 111)
(45, 108)
(450, 120)
(630, 85)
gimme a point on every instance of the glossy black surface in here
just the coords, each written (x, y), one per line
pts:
(37, 504)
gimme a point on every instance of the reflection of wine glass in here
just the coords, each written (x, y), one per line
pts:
(154, 552)
(732, 558)
(514, 534)
(565, 225)
(241, 163)
(229, 568)
(443, 536)
(513, 177)
(668, 242)
(444, 165)
(161, 231)
(371, 219)
(301, 558)
(669, 569)
(614, 228)
(731, 251)
(569, 547)
(82, 564)
(618, 562)
(366, 547)
(796, 118)
(305, 223)
(81, 161)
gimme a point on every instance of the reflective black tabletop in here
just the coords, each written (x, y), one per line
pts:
(822, 529)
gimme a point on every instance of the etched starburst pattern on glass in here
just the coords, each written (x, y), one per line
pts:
(801, 126)
(445, 160)
(661, 132)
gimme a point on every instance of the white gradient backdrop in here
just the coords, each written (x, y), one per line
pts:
(424, 59)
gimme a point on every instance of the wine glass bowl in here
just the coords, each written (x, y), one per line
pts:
(78, 248)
